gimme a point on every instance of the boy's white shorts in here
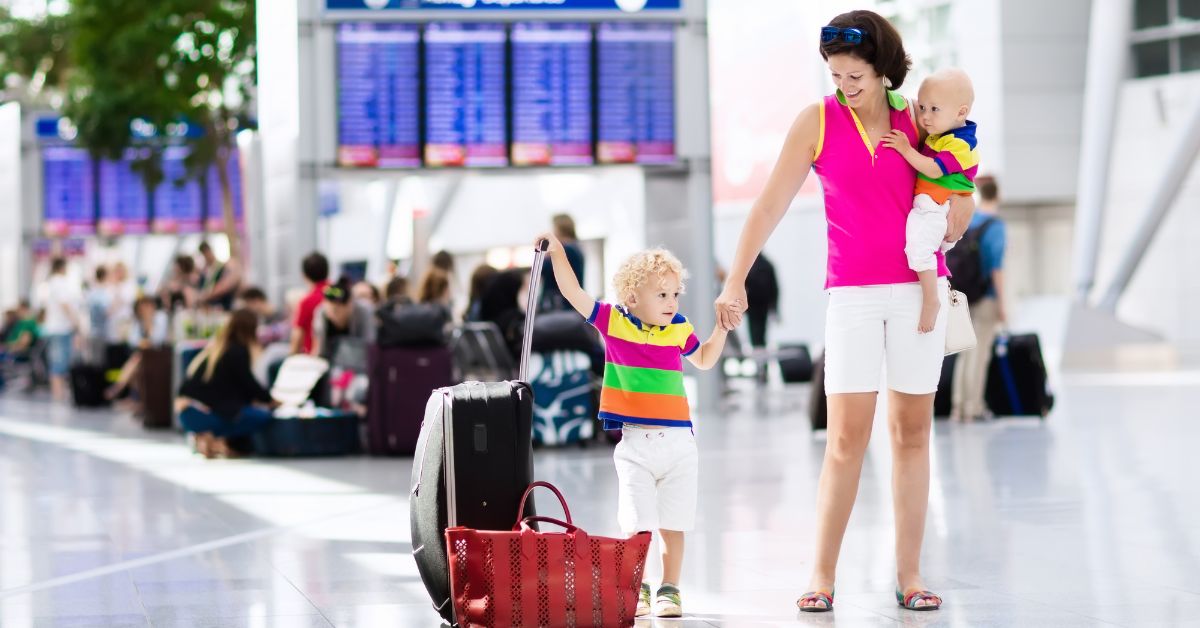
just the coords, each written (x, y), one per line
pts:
(657, 477)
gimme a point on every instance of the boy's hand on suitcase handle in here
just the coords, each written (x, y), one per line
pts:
(551, 243)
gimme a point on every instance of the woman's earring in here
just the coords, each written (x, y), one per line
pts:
(887, 82)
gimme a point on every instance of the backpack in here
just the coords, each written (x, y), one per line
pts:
(965, 261)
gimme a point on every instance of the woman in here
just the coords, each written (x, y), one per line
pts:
(481, 278)
(564, 230)
(221, 400)
(435, 288)
(874, 300)
(179, 291)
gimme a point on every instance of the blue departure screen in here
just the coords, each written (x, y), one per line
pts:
(215, 212)
(552, 93)
(465, 111)
(68, 188)
(177, 208)
(124, 206)
(378, 95)
(636, 93)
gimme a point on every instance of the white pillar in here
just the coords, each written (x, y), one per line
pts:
(1176, 168)
(11, 208)
(1108, 55)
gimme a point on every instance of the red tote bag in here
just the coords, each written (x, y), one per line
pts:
(526, 577)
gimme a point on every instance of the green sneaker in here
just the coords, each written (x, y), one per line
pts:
(667, 603)
(643, 607)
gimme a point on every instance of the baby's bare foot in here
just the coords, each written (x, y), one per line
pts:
(929, 312)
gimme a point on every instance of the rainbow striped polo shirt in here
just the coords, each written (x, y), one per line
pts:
(643, 369)
(956, 155)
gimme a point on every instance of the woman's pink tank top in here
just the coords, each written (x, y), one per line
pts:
(868, 195)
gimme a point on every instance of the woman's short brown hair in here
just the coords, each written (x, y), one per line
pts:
(881, 45)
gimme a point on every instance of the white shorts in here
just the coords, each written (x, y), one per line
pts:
(925, 233)
(866, 326)
(657, 477)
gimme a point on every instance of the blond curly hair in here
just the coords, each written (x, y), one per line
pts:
(649, 265)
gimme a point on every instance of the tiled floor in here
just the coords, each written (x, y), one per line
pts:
(1089, 519)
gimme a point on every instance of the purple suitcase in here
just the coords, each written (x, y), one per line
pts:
(401, 381)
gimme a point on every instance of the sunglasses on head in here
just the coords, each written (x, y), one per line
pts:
(848, 35)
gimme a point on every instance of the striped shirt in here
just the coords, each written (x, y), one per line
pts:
(956, 155)
(643, 369)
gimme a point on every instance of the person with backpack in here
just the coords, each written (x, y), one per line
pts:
(977, 267)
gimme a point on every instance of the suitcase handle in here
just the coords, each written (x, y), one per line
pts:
(562, 500)
(535, 281)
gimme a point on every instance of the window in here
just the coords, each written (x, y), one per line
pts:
(1151, 58)
(1189, 53)
(1189, 9)
(1150, 13)
(1166, 37)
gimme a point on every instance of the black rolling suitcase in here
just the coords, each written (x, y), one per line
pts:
(943, 401)
(1016, 383)
(795, 363)
(473, 462)
(818, 404)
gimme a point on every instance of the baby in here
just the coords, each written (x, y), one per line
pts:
(645, 341)
(946, 165)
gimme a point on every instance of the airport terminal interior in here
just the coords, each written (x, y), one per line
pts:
(256, 259)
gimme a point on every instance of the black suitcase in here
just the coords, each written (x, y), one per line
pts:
(818, 405)
(473, 463)
(1016, 383)
(87, 385)
(795, 363)
(943, 401)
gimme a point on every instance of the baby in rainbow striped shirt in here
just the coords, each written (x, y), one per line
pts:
(645, 341)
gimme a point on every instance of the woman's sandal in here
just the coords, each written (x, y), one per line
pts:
(816, 596)
(932, 601)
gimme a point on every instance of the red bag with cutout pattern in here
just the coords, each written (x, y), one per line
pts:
(526, 577)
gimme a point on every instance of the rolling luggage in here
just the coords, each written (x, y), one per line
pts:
(473, 463)
(1016, 383)
(157, 388)
(402, 378)
(795, 363)
(298, 428)
(87, 385)
(563, 413)
(818, 405)
(326, 433)
(943, 401)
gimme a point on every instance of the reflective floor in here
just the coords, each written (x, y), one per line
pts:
(1089, 519)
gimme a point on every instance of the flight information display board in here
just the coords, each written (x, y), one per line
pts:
(636, 92)
(378, 95)
(465, 96)
(215, 213)
(124, 204)
(69, 192)
(178, 208)
(551, 93)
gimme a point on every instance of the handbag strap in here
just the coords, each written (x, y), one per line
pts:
(524, 525)
(562, 500)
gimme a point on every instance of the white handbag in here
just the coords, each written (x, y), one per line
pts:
(960, 333)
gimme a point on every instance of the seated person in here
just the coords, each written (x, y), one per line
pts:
(341, 317)
(273, 326)
(150, 329)
(24, 332)
(396, 292)
(220, 400)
